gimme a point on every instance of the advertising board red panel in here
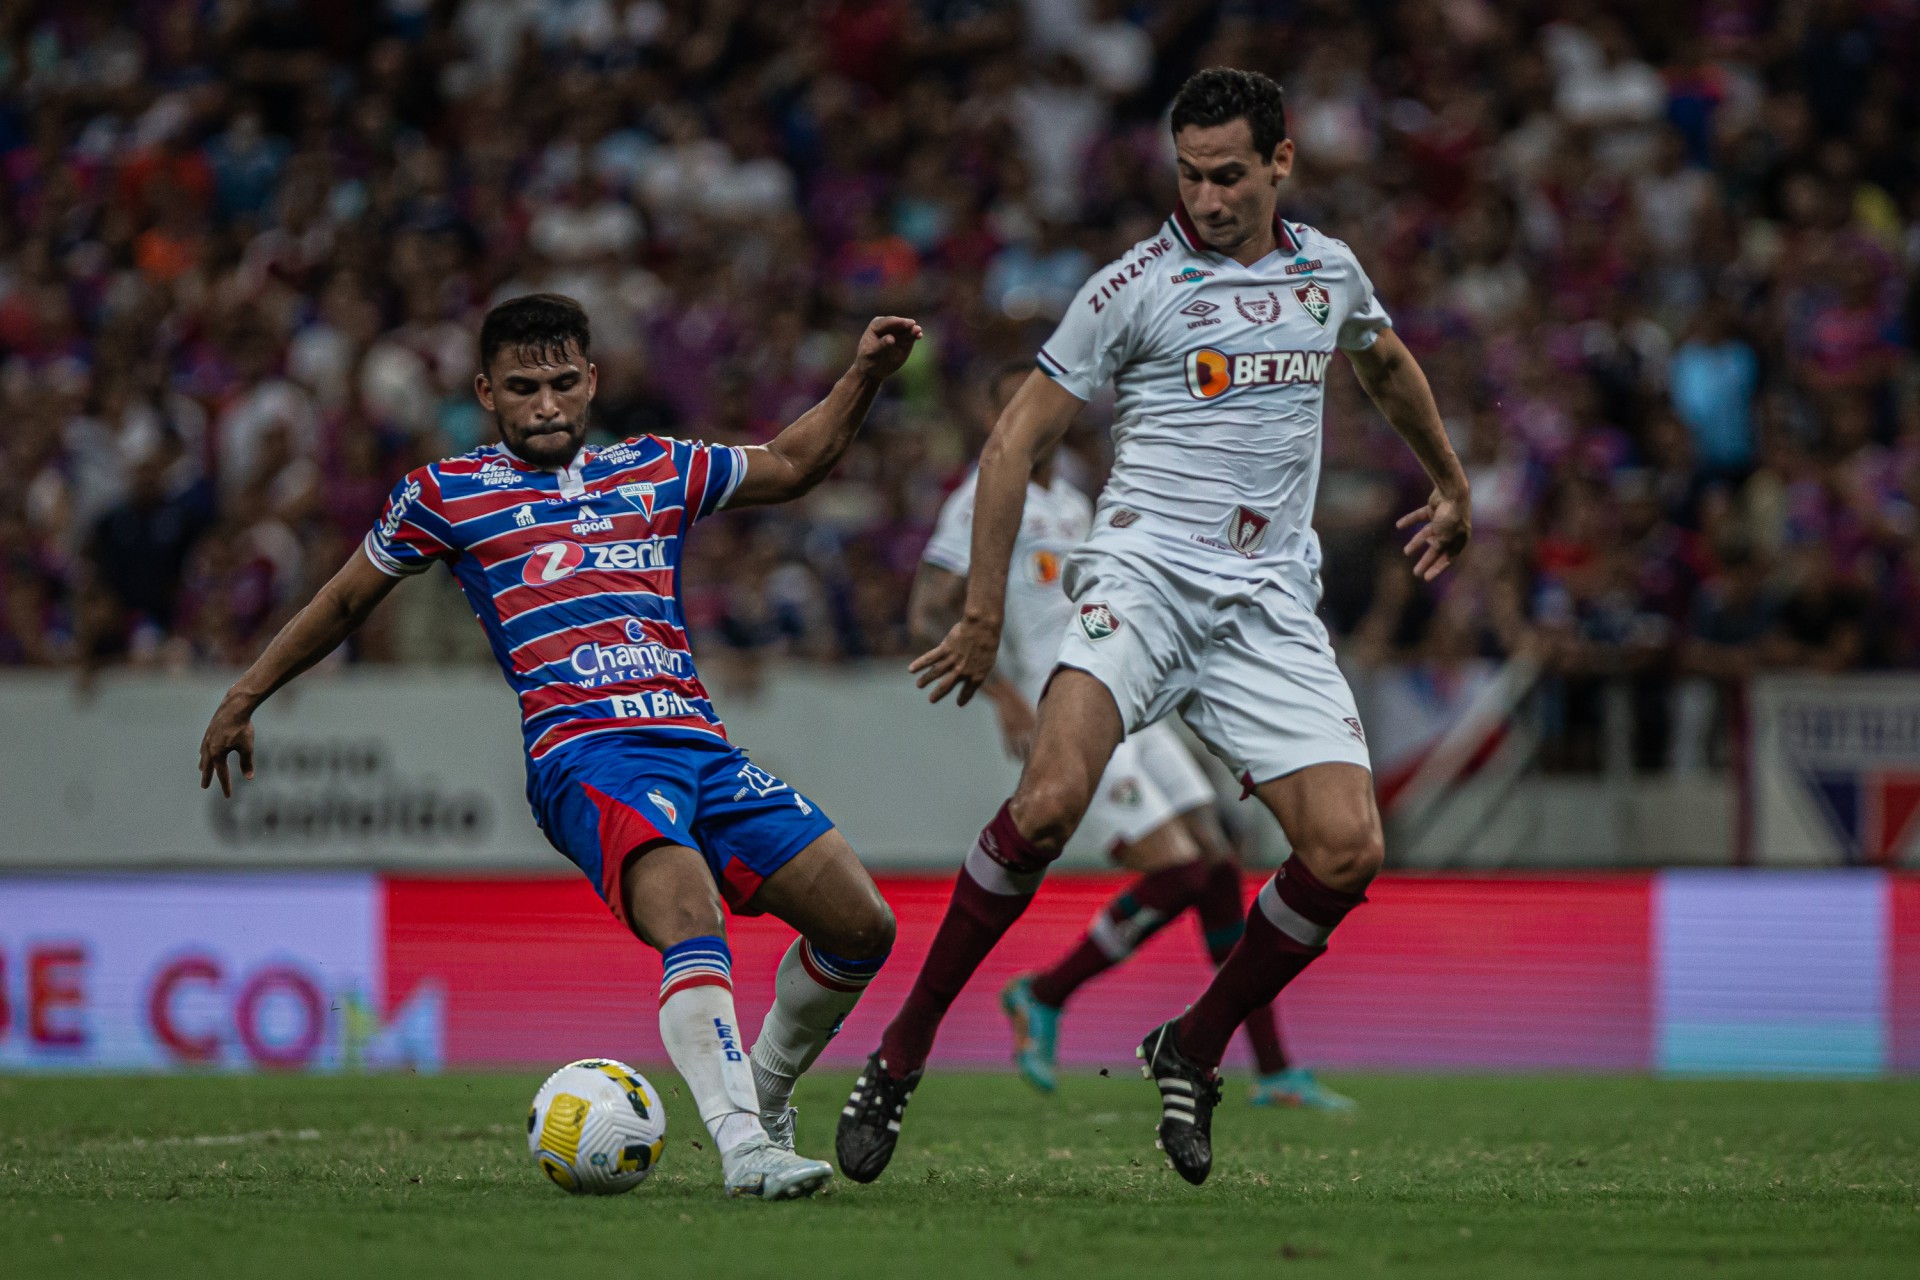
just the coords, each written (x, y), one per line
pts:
(1500, 972)
(1903, 973)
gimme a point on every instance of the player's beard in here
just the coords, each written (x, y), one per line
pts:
(558, 443)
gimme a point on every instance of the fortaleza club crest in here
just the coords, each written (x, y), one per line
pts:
(1315, 301)
(1872, 811)
(639, 496)
(1260, 310)
(1098, 621)
(1247, 530)
(665, 806)
(1857, 758)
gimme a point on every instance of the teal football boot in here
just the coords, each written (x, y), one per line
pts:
(1035, 1027)
(1296, 1087)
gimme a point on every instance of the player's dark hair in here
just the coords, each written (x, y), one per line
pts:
(538, 326)
(1222, 94)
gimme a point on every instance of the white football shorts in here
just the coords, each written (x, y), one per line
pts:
(1151, 779)
(1245, 662)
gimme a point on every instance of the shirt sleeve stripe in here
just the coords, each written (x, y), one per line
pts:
(387, 564)
(941, 560)
(735, 475)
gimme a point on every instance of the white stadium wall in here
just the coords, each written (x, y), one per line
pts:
(408, 769)
(420, 770)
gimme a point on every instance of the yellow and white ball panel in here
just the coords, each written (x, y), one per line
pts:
(597, 1127)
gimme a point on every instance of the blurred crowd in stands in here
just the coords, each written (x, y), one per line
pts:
(1659, 259)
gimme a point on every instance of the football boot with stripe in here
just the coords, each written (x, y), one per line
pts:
(1188, 1094)
(870, 1122)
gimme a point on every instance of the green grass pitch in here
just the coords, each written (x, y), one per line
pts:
(1469, 1176)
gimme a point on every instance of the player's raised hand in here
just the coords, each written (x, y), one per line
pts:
(229, 732)
(1445, 525)
(964, 658)
(885, 346)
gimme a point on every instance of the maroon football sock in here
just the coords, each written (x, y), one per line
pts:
(1222, 921)
(1286, 930)
(998, 881)
(1135, 914)
(1263, 1033)
(1222, 909)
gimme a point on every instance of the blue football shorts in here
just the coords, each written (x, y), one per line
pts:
(615, 794)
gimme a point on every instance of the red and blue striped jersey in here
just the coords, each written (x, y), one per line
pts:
(574, 574)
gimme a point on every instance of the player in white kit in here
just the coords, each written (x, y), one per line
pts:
(1153, 810)
(1196, 592)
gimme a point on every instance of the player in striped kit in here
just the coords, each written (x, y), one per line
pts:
(1196, 592)
(1152, 811)
(571, 559)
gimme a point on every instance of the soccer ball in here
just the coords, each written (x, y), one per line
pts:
(597, 1127)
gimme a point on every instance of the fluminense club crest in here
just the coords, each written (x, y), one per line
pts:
(1258, 310)
(1098, 620)
(1315, 301)
(1247, 530)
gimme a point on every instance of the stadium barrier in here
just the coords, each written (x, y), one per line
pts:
(399, 769)
(1719, 972)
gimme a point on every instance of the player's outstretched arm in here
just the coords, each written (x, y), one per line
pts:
(1034, 420)
(805, 452)
(310, 635)
(1393, 379)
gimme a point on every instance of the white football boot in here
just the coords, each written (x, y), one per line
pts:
(771, 1172)
(779, 1126)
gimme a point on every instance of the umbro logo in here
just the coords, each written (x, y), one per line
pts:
(1203, 311)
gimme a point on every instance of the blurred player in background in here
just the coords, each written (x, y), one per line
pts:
(1195, 593)
(1153, 809)
(571, 559)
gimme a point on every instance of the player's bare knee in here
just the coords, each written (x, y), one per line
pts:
(866, 936)
(1348, 857)
(1048, 810)
(670, 910)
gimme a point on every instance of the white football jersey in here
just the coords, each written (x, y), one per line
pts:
(1219, 372)
(1055, 521)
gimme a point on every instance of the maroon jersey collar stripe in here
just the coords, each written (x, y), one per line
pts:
(1189, 234)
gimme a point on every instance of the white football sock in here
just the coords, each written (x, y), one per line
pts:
(702, 1036)
(813, 993)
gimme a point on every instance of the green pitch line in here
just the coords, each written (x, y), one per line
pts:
(1437, 1176)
